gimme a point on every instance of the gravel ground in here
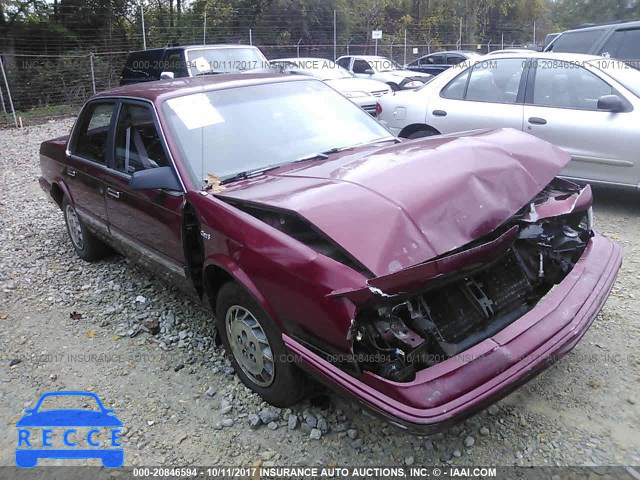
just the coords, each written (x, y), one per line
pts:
(70, 325)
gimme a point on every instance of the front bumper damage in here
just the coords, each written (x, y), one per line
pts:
(458, 387)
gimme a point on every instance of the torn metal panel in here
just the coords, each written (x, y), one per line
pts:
(405, 280)
(398, 206)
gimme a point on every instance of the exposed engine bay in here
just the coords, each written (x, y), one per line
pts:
(405, 333)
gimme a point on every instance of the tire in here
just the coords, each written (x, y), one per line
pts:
(267, 370)
(422, 133)
(394, 86)
(87, 246)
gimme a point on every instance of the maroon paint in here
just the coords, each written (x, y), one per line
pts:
(392, 207)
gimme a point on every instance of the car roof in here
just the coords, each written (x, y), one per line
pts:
(368, 57)
(457, 52)
(301, 59)
(567, 57)
(161, 89)
(606, 26)
(186, 47)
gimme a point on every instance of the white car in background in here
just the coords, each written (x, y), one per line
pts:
(363, 92)
(384, 70)
(587, 105)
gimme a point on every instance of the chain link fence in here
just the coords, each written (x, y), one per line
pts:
(40, 87)
(36, 88)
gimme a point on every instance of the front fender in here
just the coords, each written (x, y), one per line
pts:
(240, 276)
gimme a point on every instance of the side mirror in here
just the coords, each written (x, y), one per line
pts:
(155, 178)
(610, 103)
(369, 71)
(167, 76)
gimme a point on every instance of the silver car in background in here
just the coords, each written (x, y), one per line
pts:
(587, 105)
(361, 91)
(382, 69)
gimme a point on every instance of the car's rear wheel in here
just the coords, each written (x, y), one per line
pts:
(255, 347)
(87, 246)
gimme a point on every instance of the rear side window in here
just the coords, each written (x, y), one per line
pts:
(138, 145)
(433, 60)
(455, 89)
(344, 62)
(577, 42)
(495, 82)
(455, 59)
(93, 129)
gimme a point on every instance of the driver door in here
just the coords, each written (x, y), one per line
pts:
(147, 223)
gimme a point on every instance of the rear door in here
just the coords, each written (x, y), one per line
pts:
(561, 107)
(485, 95)
(148, 223)
(87, 159)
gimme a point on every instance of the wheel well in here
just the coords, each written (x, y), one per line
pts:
(214, 278)
(416, 127)
(57, 194)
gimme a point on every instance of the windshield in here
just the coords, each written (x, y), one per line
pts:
(225, 132)
(203, 61)
(621, 72)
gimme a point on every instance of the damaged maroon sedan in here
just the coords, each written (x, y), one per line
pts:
(426, 278)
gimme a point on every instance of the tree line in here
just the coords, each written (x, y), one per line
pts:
(111, 25)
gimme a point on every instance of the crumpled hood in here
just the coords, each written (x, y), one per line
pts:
(395, 206)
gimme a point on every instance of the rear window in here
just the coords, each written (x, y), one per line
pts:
(576, 42)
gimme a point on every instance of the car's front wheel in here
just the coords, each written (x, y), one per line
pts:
(87, 246)
(255, 347)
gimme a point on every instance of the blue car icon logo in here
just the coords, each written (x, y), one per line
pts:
(69, 433)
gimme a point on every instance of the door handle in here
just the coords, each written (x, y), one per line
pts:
(537, 121)
(439, 113)
(113, 193)
(71, 172)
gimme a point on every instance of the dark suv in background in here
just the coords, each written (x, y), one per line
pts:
(615, 40)
(190, 61)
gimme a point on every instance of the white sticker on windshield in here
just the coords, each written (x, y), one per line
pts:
(195, 111)
(201, 64)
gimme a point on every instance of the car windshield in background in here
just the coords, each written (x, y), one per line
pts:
(204, 61)
(330, 72)
(317, 68)
(226, 132)
(621, 72)
(382, 64)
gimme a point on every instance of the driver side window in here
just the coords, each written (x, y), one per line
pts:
(361, 66)
(138, 145)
